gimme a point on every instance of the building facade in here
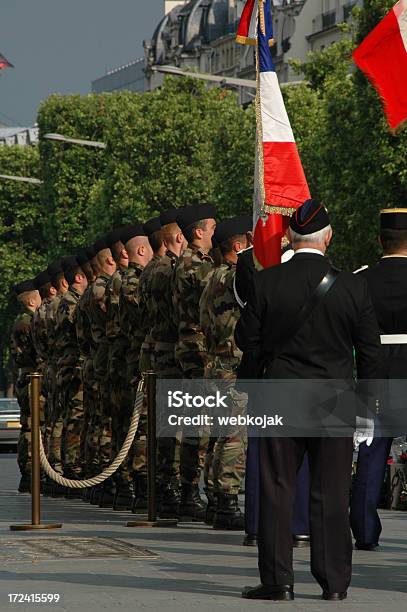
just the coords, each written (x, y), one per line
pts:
(199, 35)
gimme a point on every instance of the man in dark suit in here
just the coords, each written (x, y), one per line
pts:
(321, 348)
(387, 281)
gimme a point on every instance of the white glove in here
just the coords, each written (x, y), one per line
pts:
(364, 431)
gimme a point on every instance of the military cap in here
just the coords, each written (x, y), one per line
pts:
(42, 279)
(114, 236)
(100, 245)
(69, 263)
(131, 231)
(54, 268)
(192, 214)
(169, 216)
(152, 225)
(24, 286)
(90, 251)
(82, 256)
(393, 218)
(309, 218)
(232, 227)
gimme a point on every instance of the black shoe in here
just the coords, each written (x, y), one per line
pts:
(108, 494)
(25, 484)
(96, 495)
(301, 541)
(228, 515)
(58, 490)
(124, 498)
(192, 508)
(140, 503)
(250, 540)
(361, 546)
(211, 508)
(334, 596)
(170, 501)
(275, 593)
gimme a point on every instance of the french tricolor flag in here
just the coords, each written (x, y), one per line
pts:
(280, 183)
(382, 56)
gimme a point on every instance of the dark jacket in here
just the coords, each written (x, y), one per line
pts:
(323, 347)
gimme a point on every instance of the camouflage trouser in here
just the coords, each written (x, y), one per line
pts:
(137, 461)
(73, 423)
(91, 431)
(122, 408)
(104, 414)
(168, 448)
(24, 440)
(57, 425)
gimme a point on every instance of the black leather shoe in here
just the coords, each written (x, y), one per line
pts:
(25, 484)
(361, 546)
(334, 596)
(192, 507)
(274, 593)
(301, 541)
(250, 540)
(228, 515)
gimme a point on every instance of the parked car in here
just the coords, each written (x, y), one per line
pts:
(9, 421)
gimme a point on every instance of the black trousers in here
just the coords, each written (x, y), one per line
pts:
(330, 462)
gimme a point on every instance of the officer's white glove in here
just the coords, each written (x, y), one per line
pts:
(364, 431)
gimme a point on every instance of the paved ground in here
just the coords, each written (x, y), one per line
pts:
(197, 568)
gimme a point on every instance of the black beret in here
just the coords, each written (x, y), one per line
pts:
(90, 251)
(192, 214)
(42, 279)
(169, 216)
(393, 218)
(82, 256)
(69, 263)
(114, 236)
(131, 231)
(152, 225)
(309, 218)
(27, 285)
(54, 268)
(100, 245)
(232, 227)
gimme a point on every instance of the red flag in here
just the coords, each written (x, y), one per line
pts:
(382, 56)
(4, 63)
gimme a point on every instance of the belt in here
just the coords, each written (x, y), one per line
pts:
(393, 339)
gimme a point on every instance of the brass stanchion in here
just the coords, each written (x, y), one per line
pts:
(35, 388)
(152, 520)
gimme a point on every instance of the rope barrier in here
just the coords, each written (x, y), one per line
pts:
(96, 480)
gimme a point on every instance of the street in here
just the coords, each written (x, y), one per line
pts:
(183, 568)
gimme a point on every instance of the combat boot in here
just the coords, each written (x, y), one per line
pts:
(96, 495)
(25, 484)
(108, 494)
(192, 507)
(58, 490)
(228, 515)
(140, 502)
(211, 507)
(124, 498)
(170, 503)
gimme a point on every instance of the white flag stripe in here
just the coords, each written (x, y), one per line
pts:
(402, 19)
(253, 22)
(275, 123)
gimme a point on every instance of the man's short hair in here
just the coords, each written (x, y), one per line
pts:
(156, 240)
(44, 291)
(57, 280)
(189, 231)
(315, 238)
(227, 245)
(393, 240)
(71, 273)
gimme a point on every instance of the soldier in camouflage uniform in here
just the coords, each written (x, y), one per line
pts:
(24, 357)
(164, 335)
(219, 313)
(191, 274)
(98, 317)
(69, 377)
(130, 313)
(120, 388)
(59, 283)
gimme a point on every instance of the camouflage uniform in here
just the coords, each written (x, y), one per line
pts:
(146, 305)
(130, 317)
(98, 317)
(56, 421)
(192, 272)
(164, 335)
(219, 314)
(69, 380)
(24, 357)
(121, 395)
(40, 340)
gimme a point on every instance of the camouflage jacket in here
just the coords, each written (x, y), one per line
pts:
(50, 315)
(219, 313)
(191, 274)
(40, 334)
(164, 328)
(98, 317)
(22, 346)
(147, 312)
(118, 341)
(84, 335)
(130, 315)
(66, 344)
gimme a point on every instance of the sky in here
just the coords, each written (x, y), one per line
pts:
(61, 46)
